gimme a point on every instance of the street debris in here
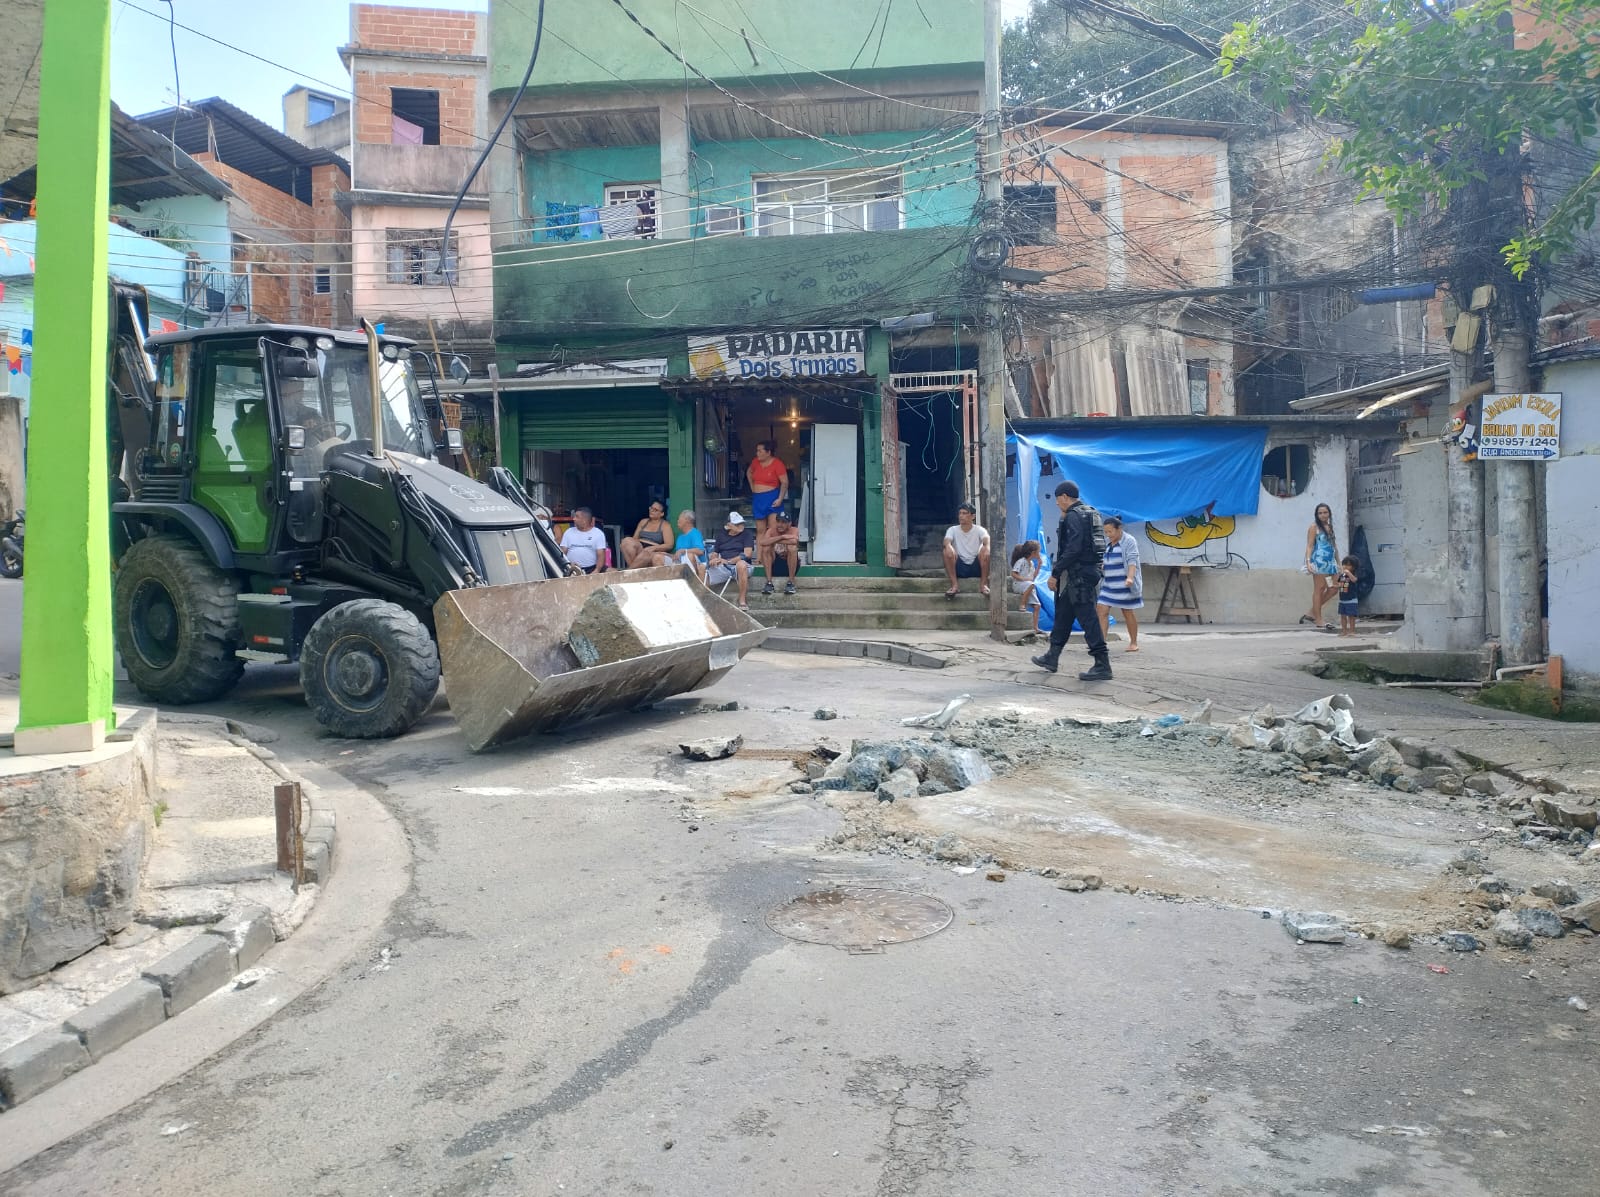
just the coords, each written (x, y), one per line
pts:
(713, 748)
(1313, 928)
(995, 875)
(941, 718)
(1578, 1004)
(1438, 968)
(1077, 883)
(1461, 941)
(825, 713)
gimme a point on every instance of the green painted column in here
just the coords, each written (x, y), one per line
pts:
(872, 446)
(66, 608)
(511, 433)
(683, 452)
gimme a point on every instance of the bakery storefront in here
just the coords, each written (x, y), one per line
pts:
(813, 394)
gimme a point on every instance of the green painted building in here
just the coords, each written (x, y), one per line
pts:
(737, 223)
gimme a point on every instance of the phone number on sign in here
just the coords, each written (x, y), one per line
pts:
(798, 367)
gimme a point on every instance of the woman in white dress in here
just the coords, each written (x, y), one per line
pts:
(1123, 587)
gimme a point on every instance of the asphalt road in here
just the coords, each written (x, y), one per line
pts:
(577, 993)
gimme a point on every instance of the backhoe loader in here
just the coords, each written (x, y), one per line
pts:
(276, 499)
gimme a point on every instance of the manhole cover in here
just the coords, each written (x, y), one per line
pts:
(859, 918)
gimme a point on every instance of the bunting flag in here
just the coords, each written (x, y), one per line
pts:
(14, 358)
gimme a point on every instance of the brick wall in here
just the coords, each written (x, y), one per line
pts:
(420, 30)
(458, 103)
(286, 240)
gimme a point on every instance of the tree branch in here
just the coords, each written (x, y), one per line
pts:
(1132, 17)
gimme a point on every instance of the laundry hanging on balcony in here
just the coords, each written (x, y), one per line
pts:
(560, 221)
(620, 221)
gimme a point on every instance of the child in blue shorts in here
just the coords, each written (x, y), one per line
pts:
(1346, 582)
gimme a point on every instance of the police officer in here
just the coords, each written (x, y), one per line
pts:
(1075, 579)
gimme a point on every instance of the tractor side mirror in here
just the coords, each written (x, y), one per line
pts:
(453, 440)
(293, 364)
(295, 436)
(460, 368)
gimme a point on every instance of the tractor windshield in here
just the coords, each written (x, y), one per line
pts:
(337, 405)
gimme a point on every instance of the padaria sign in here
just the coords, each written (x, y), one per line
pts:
(800, 354)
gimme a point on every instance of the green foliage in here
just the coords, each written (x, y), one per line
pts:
(1066, 55)
(1439, 98)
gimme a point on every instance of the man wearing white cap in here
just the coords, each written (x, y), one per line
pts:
(731, 555)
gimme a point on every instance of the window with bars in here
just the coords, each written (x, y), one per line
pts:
(849, 203)
(414, 257)
(642, 194)
(1030, 214)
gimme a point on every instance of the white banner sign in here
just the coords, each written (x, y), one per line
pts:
(802, 353)
(1520, 427)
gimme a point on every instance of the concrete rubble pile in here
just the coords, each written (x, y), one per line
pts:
(893, 769)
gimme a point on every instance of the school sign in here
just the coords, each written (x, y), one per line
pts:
(1520, 427)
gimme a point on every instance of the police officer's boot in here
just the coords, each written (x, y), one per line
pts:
(1100, 671)
(1049, 659)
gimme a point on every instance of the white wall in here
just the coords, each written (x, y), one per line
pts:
(1572, 511)
(1272, 589)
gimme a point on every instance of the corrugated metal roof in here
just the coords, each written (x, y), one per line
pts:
(144, 166)
(1357, 400)
(244, 143)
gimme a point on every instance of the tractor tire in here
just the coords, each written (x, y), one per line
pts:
(369, 669)
(177, 621)
(10, 559)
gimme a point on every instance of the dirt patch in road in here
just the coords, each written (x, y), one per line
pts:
(1182, 812)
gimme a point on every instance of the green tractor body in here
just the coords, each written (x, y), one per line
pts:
(258, 518)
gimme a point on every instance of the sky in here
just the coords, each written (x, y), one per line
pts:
(302, 35)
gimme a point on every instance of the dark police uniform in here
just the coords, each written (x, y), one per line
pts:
(1077, 569)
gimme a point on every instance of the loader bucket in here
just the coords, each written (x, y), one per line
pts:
(509, 669)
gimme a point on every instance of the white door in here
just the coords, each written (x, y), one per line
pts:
(1376, 506)
(835, 465)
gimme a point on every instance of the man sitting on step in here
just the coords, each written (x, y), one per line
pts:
(778, 548)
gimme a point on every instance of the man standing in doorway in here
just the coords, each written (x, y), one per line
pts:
(966, 551)
(1075, 578)
(584, 544)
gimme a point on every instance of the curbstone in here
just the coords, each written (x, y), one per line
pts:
(322, 817)
(320, 835)
(38, 1062)
(825, 648)
(851, 648)
(248, 935)
(899, 655)
(195, 970)
(319, 861)
(877, 651)
(927, 660)
(121, 1015)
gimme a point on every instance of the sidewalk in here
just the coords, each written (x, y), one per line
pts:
(211, 903)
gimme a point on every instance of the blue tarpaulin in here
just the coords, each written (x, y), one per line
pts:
(1144, 474)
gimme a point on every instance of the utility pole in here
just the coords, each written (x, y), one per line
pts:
(1521, 626)
(992, 342)
(66, 608)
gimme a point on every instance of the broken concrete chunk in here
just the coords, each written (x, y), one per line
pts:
(1313, 928)
(1585, 914)
(1450, 785)
(1541, 922)
(1558, 892)
(1461, 941)
(713, 748)
(828, 749)
(1429, 777)
(902, 783)
(1396, 937)
(1080, 881)
(1380, 762)
(825, 713)
(865, 770)
(932, 789)
(620, 622)
(1483, 783)
(1510, 933)
(958, 768)
(1566, 811)
(1471, 861)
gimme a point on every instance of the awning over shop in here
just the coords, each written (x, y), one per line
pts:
(1147, 473)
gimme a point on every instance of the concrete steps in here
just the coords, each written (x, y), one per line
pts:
(878, 603)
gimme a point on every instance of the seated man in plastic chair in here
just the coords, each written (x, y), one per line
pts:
(732, 554)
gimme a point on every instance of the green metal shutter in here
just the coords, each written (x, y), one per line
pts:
(595, 420)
